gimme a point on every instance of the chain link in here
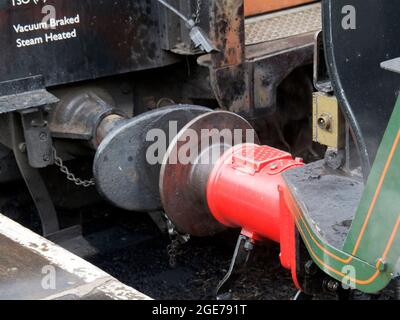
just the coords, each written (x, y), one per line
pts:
(70, 176)
(196, 16)
(173, 251)
(177, 240)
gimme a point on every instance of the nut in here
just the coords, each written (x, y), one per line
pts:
(325, 122)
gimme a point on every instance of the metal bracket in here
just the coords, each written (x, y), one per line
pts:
(34, 181)
(38, 140)
(29, 96)
(241, 256)
(328, 122)
(24, 94)
(37, 188)
(197, 35)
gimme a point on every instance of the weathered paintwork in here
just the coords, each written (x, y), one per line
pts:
(105, 38)
(255, 7)
(358, 37)
(370, 256)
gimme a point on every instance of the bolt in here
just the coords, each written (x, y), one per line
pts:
(332, 285)
(335, 158)
(382, 265)
(43, 136)
(325, 122)
(310, 268)
(22, 147)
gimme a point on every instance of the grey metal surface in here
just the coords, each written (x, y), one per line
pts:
(33, 180)
(328, 199)
(283, 24)
(79, 112)
(21, 101)
(32, 268)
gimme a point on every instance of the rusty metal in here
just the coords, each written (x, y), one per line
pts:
(228, 74)
(267, 65)
(108, 124)
(255, 7)
(227, 32)
(269, 69)
(244, 78)
(34, 182)
(78, 115)
(197, 35)
(183, 185)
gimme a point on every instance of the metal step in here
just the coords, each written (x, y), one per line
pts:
(328, 199)
(283, 24)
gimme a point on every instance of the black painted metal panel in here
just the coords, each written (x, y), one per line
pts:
(366, 92)
(97, 38)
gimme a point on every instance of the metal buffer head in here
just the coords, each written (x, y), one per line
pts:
(123, 173)
(216, 175)
(187, 166)
(126, 168)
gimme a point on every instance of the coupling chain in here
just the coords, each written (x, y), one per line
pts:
(71, 176)
(197, 14)
(177, 240)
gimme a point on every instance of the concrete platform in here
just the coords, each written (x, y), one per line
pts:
(33, 268)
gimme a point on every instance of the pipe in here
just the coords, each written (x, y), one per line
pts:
(190, 23)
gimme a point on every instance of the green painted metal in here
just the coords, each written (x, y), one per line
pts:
(370, 257)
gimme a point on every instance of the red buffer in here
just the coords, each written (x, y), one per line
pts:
(244, 191)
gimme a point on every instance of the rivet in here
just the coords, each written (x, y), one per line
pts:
(381, 264)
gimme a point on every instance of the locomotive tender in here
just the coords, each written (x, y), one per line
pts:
(83, 82)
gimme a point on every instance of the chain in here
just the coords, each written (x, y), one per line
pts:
(173, 251)
(177, 239)
(196, 16)
(70, 176)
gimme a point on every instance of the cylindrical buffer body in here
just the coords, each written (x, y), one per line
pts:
(242, 189)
